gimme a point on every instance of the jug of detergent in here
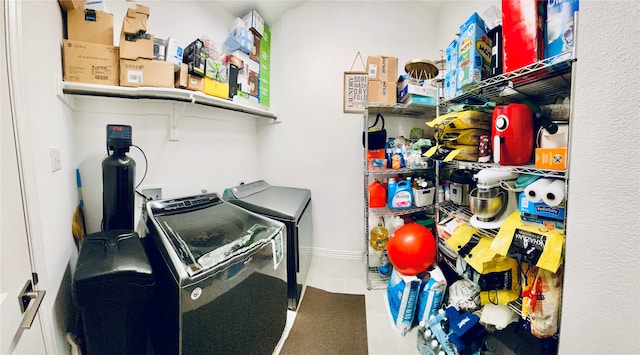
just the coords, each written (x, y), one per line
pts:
(401, 197)
(377, 194)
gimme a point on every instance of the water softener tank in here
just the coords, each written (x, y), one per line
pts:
(118, 174)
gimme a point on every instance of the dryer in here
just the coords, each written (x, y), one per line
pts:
(291, 206)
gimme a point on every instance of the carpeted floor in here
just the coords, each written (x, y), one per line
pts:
(328, 323)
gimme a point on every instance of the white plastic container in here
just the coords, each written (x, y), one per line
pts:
(423, 197)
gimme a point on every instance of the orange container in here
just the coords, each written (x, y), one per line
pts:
(377, 194)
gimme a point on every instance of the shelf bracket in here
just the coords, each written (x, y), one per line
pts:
(176, 116)
(66, 99)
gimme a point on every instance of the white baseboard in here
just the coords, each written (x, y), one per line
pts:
(340, 254)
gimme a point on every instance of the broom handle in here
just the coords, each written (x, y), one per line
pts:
(81, 205)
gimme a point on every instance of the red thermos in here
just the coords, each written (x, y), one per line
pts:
(512, 132)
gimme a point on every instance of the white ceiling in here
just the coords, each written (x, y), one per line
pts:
(269, 10)
(272, 10)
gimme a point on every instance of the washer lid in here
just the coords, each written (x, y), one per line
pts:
(205, 231)
(273, 201)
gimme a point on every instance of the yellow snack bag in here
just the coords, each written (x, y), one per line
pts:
(529, 244)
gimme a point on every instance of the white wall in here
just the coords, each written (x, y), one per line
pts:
(216, 148)
(317, 145)
(602, 278)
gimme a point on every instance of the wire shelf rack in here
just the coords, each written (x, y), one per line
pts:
(541, 82)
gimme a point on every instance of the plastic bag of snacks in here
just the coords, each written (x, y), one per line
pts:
(541, 301)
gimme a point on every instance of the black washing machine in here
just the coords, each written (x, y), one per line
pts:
(291, 206)
(220, 280)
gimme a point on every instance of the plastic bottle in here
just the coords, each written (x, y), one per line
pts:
(402, 195)
(391, 190)
(396, 223)
(377, 194)
(379, 236)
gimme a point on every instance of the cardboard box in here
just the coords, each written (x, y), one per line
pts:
(232, 71)
(195, 83)
(216, 71)
(90, 26)
(248, 73)
(90, 63)
(540, 209)
(159, 50)
(536, 221)
(195, 56)
(383, 92)
(134, 47)
(474, 57)
(451, 84)
(382, 68)
(174, 53)
(451, 55)
(146, 72)
(522, 33)
(405, 89)
(420, 100)
(97, 5)
(216, 88)
(551, 158)
(135, 21)
(255, 50)
(71, 4)
(254, 22)
(265, 68)
(559, 31)
(182, 77)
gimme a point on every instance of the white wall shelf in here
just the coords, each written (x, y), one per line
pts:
(180, 96)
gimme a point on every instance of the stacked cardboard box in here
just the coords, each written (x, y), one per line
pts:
(382, 71)
(88, 52)
(137, 64)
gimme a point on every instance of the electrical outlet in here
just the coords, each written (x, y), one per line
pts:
(152, 193)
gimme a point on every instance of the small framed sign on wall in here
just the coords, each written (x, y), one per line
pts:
(355, 89)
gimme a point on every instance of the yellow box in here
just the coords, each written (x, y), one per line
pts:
(216, 88)
(551, 158)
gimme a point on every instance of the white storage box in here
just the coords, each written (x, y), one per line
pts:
(423, 197)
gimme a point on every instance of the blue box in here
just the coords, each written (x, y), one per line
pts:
(451, 88)
(539, 208)
(451, 55)
(421, 100)
(559, 31)
(474, 55)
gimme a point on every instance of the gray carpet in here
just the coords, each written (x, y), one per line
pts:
(328, 323)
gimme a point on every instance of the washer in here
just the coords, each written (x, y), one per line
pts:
(220, 280)
(291, 206)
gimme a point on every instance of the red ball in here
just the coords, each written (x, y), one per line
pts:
(411, 249)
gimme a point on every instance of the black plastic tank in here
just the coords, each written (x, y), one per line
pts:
(118, 176)
(112, 285)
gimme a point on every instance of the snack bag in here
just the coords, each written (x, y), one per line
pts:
(541, 301)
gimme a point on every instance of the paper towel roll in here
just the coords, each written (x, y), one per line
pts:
(554, 193)
(536, 189)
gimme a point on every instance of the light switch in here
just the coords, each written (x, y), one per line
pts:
(56, 164)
